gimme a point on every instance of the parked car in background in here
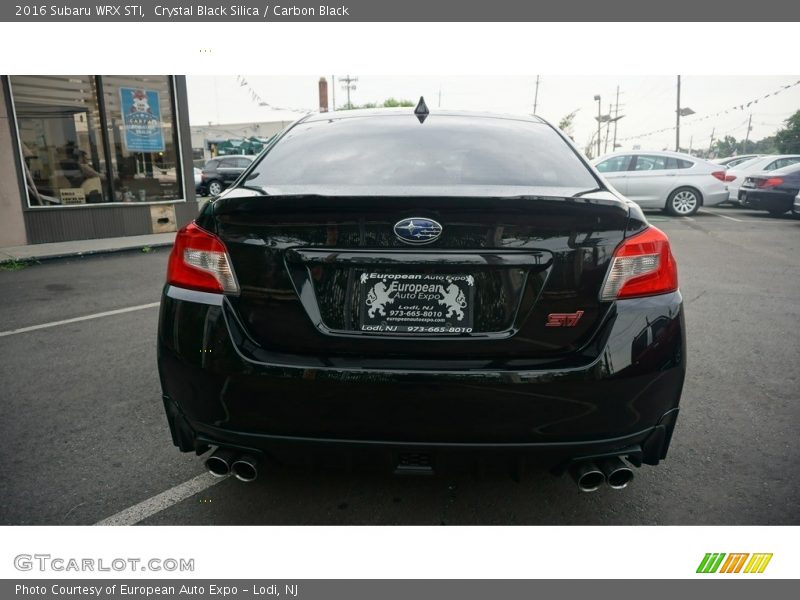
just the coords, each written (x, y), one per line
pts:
(773, 191)
(796, 207)
(675, 182)
(736, 175)
(198, 179)
(222, 171)
(402, 291)
(731, 161)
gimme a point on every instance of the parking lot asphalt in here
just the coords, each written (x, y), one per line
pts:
(85, 438)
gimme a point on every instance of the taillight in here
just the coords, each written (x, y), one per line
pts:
(729, 178)
(643, 265)
(719, 175)
(199, 261)
(769, 182)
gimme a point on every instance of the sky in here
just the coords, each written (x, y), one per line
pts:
(647, 102)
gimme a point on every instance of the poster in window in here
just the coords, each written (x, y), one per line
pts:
(141, 118)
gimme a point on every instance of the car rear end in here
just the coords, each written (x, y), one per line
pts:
(712, 182)
(773, 191)
(735, 176)
(303, 319)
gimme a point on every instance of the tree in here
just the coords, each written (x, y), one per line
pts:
(788, 139)
(725, 147)
(394, 103)
(388, 103)
(566, 123)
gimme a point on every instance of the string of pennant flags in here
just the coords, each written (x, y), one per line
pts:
(736, 107)
(258, 100)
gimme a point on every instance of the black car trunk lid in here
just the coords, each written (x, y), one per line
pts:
(525, 272)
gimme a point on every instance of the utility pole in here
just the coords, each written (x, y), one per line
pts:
(711, 143)
(678, 119)
(599, 122)
(333, 91)
(349, 84)
(691, 139)
(440, 98)
(616, 118)
(608, 128)
(747, 135)
(536, 96)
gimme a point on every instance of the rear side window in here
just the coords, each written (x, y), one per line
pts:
(212, 164)
(650, 163)
(780, 163)
(685, 164)
(398, 150)
(614, 164)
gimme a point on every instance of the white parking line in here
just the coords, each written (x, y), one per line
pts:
(708, 212)
(147, 508)
(107, 313)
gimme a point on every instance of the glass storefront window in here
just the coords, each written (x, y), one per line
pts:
(141, 128)
(81, 148)
(58, 119)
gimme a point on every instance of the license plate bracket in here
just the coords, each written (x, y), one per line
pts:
(410, 303)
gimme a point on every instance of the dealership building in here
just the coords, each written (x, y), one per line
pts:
(93, 156)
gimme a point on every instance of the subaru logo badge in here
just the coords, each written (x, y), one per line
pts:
(417, 230)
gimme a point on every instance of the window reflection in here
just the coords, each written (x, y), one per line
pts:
(58, 119)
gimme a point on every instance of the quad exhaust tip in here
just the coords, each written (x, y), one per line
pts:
(617, 473)
(245, 468)
(588, 476)
(220, 462)
(224, 462)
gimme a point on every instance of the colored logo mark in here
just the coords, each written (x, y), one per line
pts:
(719, 562)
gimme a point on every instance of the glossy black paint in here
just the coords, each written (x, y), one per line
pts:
(230, 389)
(283, 363)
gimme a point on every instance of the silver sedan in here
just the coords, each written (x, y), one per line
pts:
(671, 181)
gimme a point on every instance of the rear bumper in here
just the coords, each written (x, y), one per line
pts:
(621, 393)
(766, 200)
(716, 197)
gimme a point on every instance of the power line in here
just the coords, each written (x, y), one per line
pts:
(349, 84)
(735, 107)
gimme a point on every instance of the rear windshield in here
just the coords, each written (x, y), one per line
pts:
(397, 150)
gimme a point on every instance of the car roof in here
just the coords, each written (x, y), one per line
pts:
(409, 111)
(763, 159)
(652, 152)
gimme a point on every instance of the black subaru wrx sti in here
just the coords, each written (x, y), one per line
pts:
(420, 290)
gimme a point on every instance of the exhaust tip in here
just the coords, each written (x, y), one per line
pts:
(219, 463)
(588, 476)
(245, 468)
(618, 474)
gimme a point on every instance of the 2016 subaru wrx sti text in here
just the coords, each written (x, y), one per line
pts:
(418, 290)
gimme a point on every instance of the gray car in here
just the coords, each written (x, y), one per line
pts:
(671, 181)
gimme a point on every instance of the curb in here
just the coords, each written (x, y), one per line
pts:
(7, 258)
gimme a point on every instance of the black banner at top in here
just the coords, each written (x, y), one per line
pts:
(711, 11)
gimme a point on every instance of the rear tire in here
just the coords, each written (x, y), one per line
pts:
(777, 212)
(683, 202)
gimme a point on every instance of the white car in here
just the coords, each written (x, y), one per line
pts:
(796, 207)
(735, 176)
(675, 182)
